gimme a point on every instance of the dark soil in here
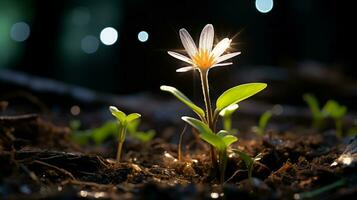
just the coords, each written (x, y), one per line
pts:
(39, 161)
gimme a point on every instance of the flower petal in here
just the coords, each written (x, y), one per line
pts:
(186, 69)
(221, 47)
(180, 57)
(222, 64)
(206, 38)
(226, 57)
(188, 42)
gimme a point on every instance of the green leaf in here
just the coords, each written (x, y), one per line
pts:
(133, 116)
(206, 133)
(229, 110)
(102, 133)
(238, 94)
(144, 136)
(313, 105)
(263, 121)
(133, 126)
(229, 139)
(334, 110)
(184, 99)
(121, 117)
(246, 158)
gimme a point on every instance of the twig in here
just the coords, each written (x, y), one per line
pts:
(55, 167)
(93, 184)
(235, 173)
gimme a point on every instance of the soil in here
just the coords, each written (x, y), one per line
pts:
(38, 160)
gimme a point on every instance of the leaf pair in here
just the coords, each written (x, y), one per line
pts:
(122, 118)
(334, 109)
(221, 141)
(228, 98)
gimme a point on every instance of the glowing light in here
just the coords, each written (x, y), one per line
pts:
(214, 195)
(108, 36)
(264, 6)
(75, 110)
(167, 155)
(89, 44)
(20, 31)
(347, 160)
(83, 193)
(143, 36)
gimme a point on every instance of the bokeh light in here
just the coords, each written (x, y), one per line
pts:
(108, 36)
(143, 36)
(264, 6)
(20, 31)
(89, 44)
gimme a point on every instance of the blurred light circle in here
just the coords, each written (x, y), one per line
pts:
(89, 44)
(108, 36)
(20, 31)
(143, 36)
(264, 6)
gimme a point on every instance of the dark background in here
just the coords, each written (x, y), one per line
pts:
(295, 33)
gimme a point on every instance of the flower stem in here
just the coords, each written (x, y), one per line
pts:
(209, 116)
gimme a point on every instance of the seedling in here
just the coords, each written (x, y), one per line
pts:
(248, 161)
(203, 59)
(220, 141)
(142, 136)
(317, 114)
(123, 121)
(336, 112)
(332, 109)
(108, 130)
(263, 122)
(226, 115)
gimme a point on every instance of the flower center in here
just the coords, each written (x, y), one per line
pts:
(203, 59)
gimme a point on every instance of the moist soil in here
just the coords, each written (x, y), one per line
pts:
(38, 160)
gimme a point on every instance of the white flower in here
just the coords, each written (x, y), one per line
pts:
(204, 57)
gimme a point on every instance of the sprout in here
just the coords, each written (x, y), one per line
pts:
(336, 112)
(263, 122)
(123, 121)
(220, 141)
(332, 109)
(317, 115)
(226, 115)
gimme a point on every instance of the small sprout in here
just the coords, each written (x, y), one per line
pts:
(317, 115)
(336, 112)
(220, 141)
(263, 122)
(142, 136)
(248, 161)
(331, 109)
(226, 115)
(123, 121)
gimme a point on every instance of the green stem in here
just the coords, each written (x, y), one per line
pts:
(206, 96)
(222, 165)
(209, 116)
(227, 123)
(120, 146)
(122, 133)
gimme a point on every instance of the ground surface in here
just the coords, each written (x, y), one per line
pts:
(39, 161)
